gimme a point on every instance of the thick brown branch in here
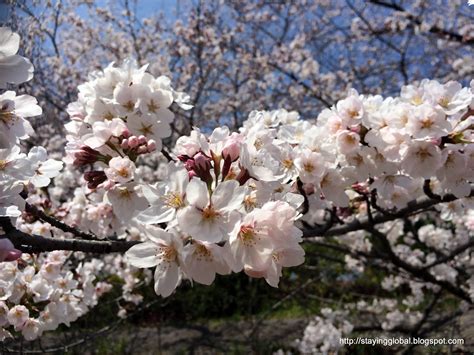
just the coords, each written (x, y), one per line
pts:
(37, 244)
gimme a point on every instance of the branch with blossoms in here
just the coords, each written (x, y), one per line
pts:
(226, 202)
(37, 244)
(413, 207)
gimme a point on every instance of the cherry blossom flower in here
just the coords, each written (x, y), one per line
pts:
(211, 216)
(44, 169)
(310, 166)
(163, 250)
(13, 111)
(127, 200)
(14, 68)
(203, 260)
(120, 170)
(422, 159)
(166, 198)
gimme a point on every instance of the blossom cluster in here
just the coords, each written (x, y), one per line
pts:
(323, 334)
(17, 169)
(229, 201)
(400, 305)
(219, 216)
(60, 292)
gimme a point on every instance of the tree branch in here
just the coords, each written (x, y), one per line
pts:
(58, 224)
(38, 244)
(364, 223)
(417, 272)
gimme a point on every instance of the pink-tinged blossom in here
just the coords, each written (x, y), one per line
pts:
(310, 166)
(351, 109)
(190, 145)
(149, 127)
(17, 316)
(163, 250)
(14, 69)
(31, 329)
(13, 111)
(8, 251)
(44, 169)
(450, 97)
(231, 149)
(280, 257)
(422, 159)
(347, 141)
(166, 198)
(103, 131)
(211, 217)
(120, 170)
(127, 200)
(266, 239)
(203, 260)
(427, 122)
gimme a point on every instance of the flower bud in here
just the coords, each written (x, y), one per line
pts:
(8, 251)
(94, 178)
(232, 147)
(132, 142)
(151, 145)
(124, 144)
(126, 133)
(189, 164)
(142, 140)
(183, 158)
(202, 162)
(86, 155)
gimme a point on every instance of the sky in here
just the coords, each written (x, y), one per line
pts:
(172, 9)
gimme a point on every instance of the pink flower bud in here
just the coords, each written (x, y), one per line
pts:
(232, 147)
(142, 140)
(126, 133)
(132, 142)
(151, 146)
(183, 157)
(202, 162)
(86, 155)
(8, 251)
(94, 178)
(355, 129)
(189, 164)
(124, 144)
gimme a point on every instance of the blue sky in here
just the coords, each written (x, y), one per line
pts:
(172, 9)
